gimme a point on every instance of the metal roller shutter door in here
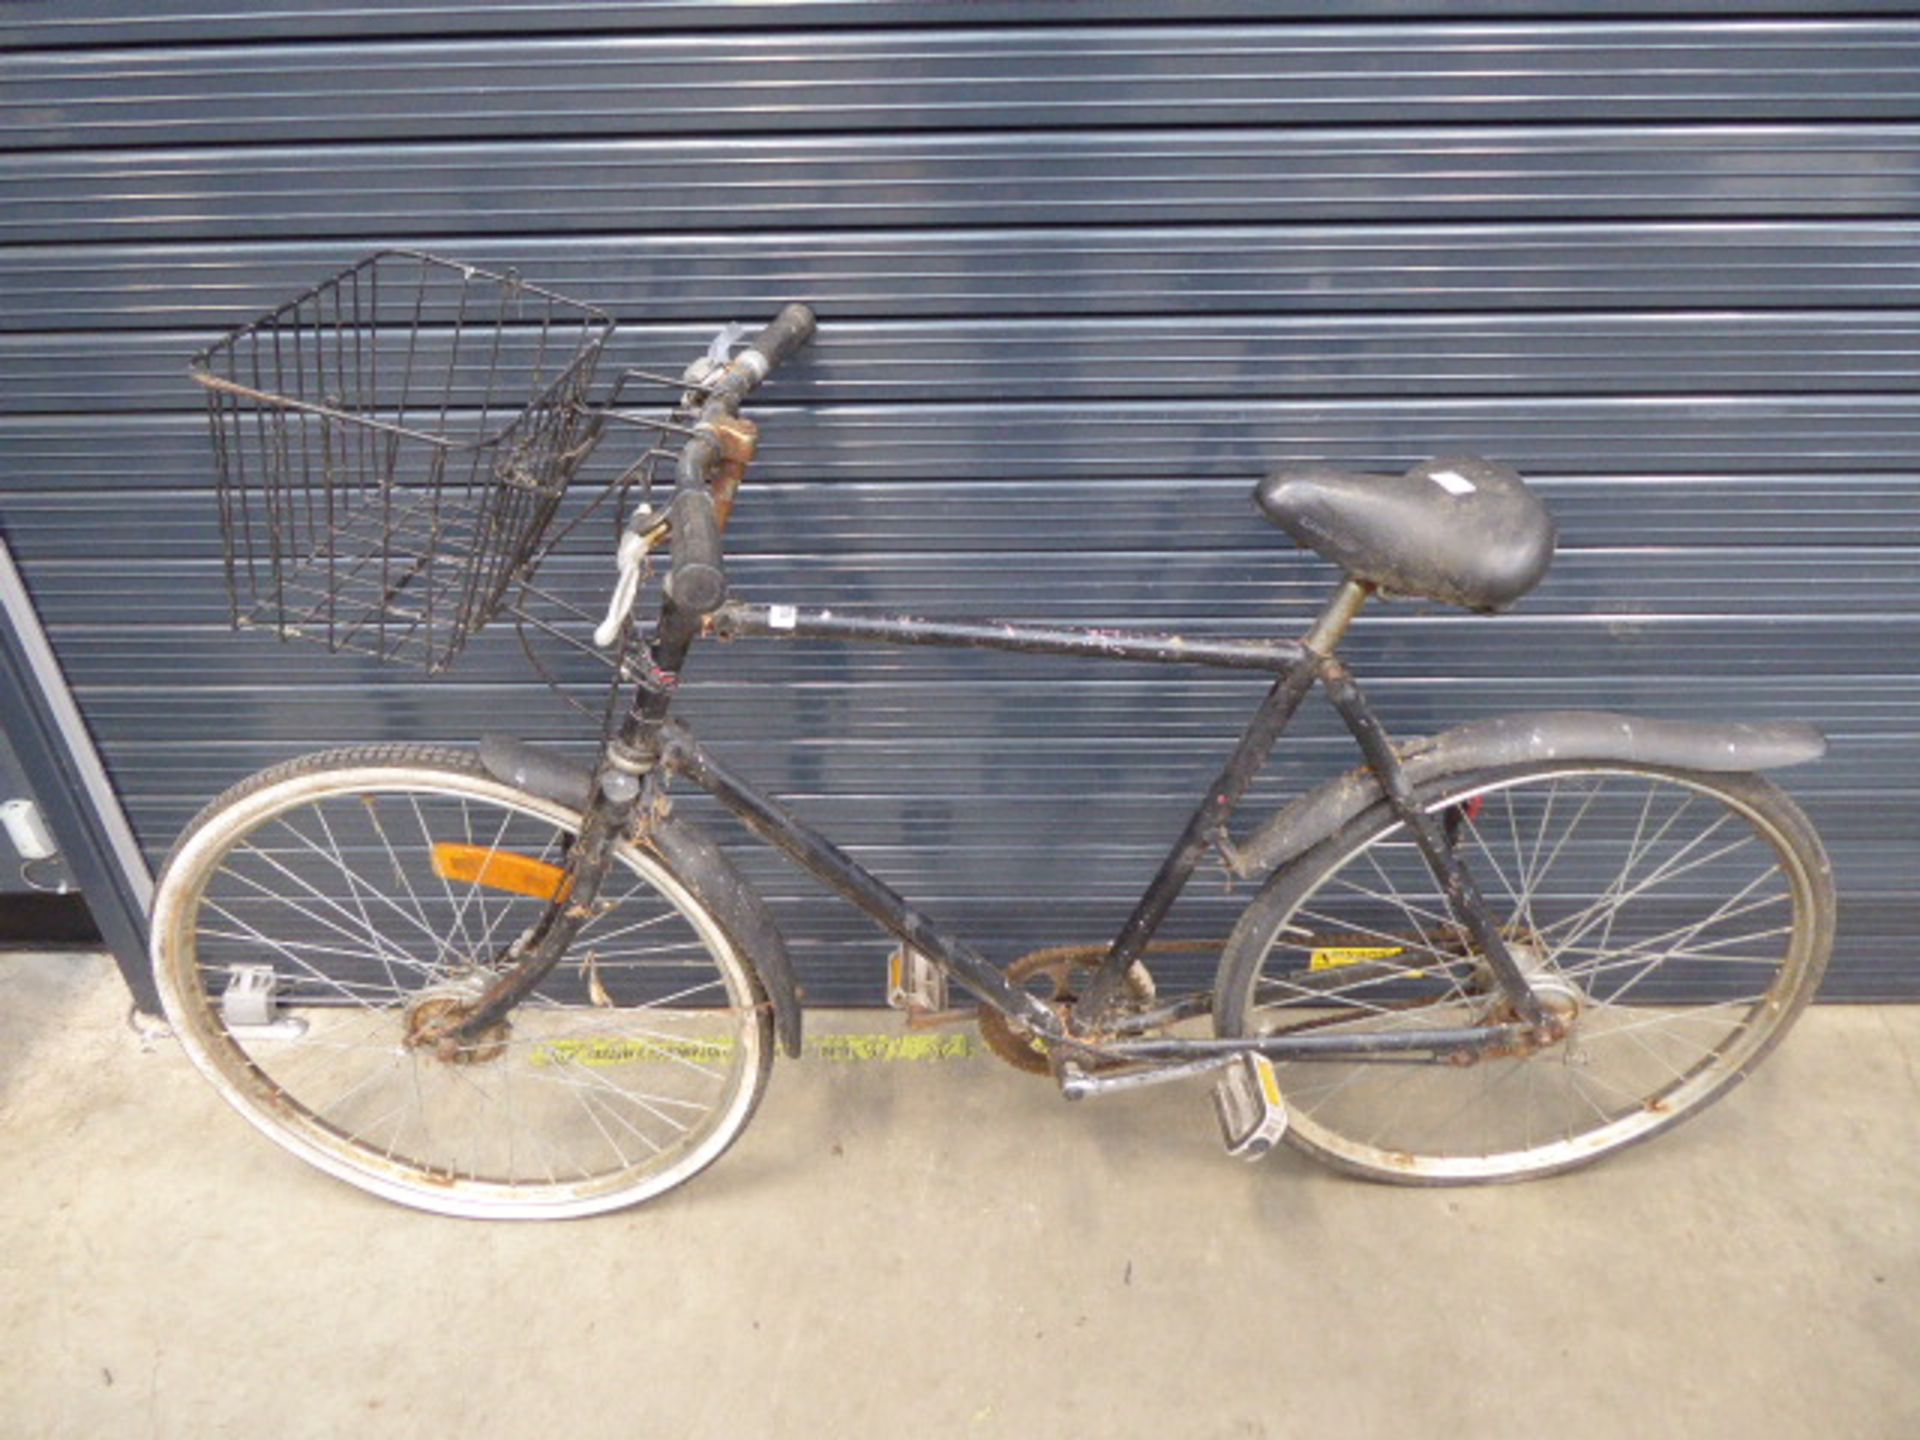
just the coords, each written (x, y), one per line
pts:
(1669, 267)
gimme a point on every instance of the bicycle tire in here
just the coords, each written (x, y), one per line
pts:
(1695, 1026)
(633, 1066)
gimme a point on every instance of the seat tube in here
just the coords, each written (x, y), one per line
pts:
(1208, 824)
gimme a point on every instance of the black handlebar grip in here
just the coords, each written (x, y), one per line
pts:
(696, 582)
(790, 329)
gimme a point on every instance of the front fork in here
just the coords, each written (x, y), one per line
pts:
(619, 790)
(617, 793)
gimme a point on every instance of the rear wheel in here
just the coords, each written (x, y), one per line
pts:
(315, 921)
(1677, 921)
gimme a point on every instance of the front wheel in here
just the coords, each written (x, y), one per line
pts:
(1677, 921)
(315, 920)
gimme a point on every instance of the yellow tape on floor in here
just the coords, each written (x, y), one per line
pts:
(956, 1045)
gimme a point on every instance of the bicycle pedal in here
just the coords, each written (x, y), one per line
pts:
(915, 984)
(1247, 1101)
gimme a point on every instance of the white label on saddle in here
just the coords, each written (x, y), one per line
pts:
(782, 617)
(1453, 482)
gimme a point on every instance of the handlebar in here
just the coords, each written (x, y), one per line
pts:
(792, 328)
(696, 583)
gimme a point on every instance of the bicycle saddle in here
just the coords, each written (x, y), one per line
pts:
(1464, 530)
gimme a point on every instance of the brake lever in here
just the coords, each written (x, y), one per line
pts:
(636, 544)
(719, 352)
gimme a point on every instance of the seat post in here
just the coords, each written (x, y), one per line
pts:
(1331, 628)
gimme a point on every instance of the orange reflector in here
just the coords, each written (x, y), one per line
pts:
(499, 870)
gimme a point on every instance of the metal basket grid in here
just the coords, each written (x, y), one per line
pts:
(390, 449)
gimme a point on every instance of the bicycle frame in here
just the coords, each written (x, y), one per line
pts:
(1297, 665)
(647, 746)
(650, 745)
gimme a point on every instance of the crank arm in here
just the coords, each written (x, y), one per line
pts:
(1077, 1084)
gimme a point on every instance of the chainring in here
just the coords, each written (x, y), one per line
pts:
(1065, 970)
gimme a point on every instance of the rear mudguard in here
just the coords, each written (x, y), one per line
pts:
(1572, 735)
(688, 852)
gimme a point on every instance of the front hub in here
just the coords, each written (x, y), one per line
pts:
(434, 1018)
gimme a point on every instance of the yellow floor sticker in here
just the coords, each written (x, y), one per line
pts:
(603, 1052)
(600, 1053)
(955, 1045)
(1333, 957)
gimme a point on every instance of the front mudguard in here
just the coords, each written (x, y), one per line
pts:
(1569, 735)
(692, 856)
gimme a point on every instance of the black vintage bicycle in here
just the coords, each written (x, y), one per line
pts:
(500, 983)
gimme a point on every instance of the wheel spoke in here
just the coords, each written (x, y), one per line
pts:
(1499, 870)
(353, 885)
(457, 910)
(353, 882)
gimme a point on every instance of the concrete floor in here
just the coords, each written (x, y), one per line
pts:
(944, 1248)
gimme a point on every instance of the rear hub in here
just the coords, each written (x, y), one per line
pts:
(1560, 997)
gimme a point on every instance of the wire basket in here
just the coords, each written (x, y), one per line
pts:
(391, 447)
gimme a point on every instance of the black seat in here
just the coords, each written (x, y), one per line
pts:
(1464, 530)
